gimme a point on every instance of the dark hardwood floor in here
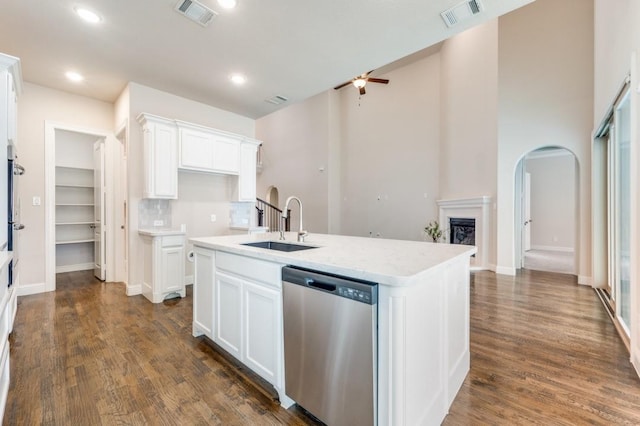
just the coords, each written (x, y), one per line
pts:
(543, 351)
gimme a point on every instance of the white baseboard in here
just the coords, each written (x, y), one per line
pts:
(29, 289)
(188, 280)
(74, 268)
(553, 248)
(583, 280)
(134, 290)
(505, 270)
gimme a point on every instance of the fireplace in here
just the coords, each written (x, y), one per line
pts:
(462, 231)
(469, 222)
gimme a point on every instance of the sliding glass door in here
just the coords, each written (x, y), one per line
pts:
(619, 210)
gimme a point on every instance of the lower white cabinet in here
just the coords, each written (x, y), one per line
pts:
(244, 309)
(228, 313)
(204, 270)
(261, 325)
(164, 257)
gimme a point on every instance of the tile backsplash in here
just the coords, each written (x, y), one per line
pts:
(154, 213)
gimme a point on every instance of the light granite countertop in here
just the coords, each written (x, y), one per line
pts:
(160, 232)
(389, 262)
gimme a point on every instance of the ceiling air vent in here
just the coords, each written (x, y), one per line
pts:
(461, 12)
(277, 100)
(196, 11)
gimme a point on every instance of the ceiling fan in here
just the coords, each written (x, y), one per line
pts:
(361, 81)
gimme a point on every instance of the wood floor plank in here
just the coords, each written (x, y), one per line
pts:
(543, 351)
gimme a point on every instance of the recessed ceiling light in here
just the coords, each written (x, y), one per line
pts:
(228, 4)
(88, 15)
(74, 76)
(238, 79)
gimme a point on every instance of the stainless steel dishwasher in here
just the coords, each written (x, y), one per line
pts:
(330, 345)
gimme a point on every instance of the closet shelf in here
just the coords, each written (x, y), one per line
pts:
(74, 205)
(72, 185)
(75, 168)
(74, 223)
(75, 241)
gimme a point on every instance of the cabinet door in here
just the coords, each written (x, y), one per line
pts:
(227, 154)
(262, 328)
(228, 313)
(196, 150)
(204, 273)
(161, 171)
(12, 118)
(247, 177)
(172, 268)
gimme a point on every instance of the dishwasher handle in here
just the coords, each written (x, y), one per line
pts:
(321, 285)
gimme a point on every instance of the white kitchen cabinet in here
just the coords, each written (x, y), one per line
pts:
(227, 154)
(208, 150)
(12, 108)
(204, 273)
(196, 149)
(228, 313)
(5, 328)
(240, 298)
(164, 256)
(160, 157)
(261, 328)
(247, 175)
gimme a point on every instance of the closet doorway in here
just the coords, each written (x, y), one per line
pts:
(76, 209)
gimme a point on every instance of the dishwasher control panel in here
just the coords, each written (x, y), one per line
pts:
(355, 294)
(350, 288)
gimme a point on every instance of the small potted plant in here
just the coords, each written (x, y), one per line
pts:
(434, 231)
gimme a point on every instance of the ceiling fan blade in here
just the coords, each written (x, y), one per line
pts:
(378, 80)
(362, 91)
(343, 84)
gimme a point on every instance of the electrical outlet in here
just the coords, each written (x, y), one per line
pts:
(213, 218)
(158, 223)
(36, 201)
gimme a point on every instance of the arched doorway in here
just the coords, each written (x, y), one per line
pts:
(546, 214)
(272, 196)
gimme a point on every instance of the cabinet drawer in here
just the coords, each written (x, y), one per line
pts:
(258, 270)
(172, 240)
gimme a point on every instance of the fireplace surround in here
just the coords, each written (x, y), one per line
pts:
(468, 212)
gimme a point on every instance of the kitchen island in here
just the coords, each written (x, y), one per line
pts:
(423, 311)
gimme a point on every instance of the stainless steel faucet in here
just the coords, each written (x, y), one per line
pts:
(301, 232)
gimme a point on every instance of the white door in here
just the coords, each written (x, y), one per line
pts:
(527, 212)
(99, 269)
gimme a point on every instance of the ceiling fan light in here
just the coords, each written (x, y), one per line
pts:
(359, 82)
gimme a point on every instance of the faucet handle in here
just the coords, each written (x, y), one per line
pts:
(301, 235)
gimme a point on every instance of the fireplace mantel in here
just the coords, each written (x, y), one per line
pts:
(478, 208)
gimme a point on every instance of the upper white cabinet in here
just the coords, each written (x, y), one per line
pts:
(247, 175)
(207, 150)
(10, 84)
(170, 145)
(160, 157)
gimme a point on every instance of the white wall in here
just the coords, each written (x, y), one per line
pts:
(74, 149)
(199, 195)
(545, 98)
(468, 160)
(36, 105)
(390, 153)
(295, 157)
(552, 201)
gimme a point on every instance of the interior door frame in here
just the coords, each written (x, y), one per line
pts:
(50, 198)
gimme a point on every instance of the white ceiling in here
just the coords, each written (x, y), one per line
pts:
(293, 48)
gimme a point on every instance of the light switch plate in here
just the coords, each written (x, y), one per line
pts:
(213, 218)
(36, 201)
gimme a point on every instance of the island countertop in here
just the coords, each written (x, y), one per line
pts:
(389, 262)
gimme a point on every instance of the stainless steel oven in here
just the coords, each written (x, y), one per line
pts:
(14, 172)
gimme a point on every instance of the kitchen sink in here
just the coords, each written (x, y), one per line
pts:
(279, 246)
